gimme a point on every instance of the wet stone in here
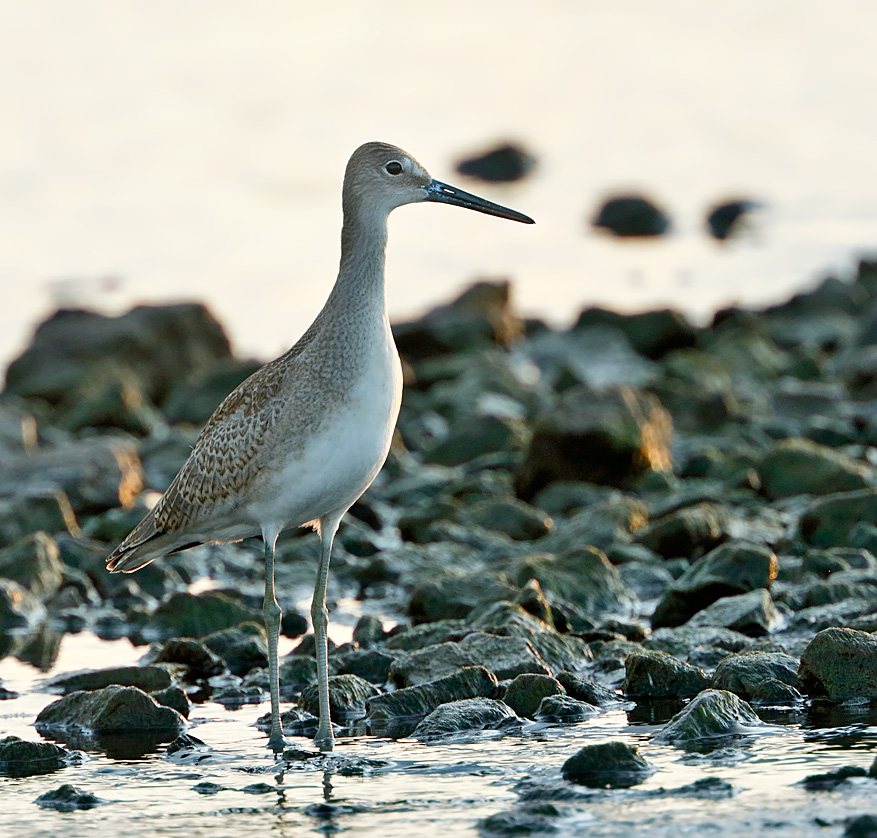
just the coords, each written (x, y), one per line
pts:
(514, 518)
(529, 819)
(174, 698)
(830, 780)
(744, 673)
(470, 714)
(525, 693)
(589, 691)
(840, 664)
(35, 563)
(659, 675)
(608, 765)
(371, 664)
(830, 521)
(421, 700)
(17, 606)
(368, 631)
(145, 678)
(564, 709)
(752, 613)
(193, 654)
(68, 798)
(20, 758)
(686, 532)
(242, 647)
(860, 826)
(295, 722)
(711, 713)
(197, 615)
(773, 691)
(347, 697)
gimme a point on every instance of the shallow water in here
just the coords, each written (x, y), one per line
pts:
(444, 788)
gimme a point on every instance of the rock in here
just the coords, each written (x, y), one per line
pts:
(773, 692)
(197, 615)
(68, 798)
(602, 524)
(505, 657)
(295, 722)
(455, 596)
(588, 691)
(631, 216)
(608, 765)
(609, 437)
(504, 163)
(516, 519)
(687, 532)
(371, 664)
(480, 317)
(730, 569)
(830, 780)
(860, 826)
(17, 606)
(470, 714)
(145, 678)
(801, 467)
(711, 713)
(242, 647)
(525, 693)
(529, 819)
(174, 698)
(201, 662)
(651, 333)
(829, 521)
(20, 758)
(744, 673)
(753, 614)
(151, 346)
(110, 710)
(845, 584)
(582, 576)
(347, 697)
(368, 631)
(840, 664)
(35, 563)
(468, 439)
(564, 709)
(682, 641)
(421, 700)
(725, 219)
(659, 675)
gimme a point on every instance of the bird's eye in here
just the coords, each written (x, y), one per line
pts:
(394, 167)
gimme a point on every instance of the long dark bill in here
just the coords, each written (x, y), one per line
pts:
(444, 194)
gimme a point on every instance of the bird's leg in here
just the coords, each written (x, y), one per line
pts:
(324, 739)
(272, 615)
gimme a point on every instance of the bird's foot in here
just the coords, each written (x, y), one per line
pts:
(276, 742)
(325, 740)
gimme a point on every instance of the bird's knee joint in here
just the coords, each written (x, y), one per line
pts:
(272, 613)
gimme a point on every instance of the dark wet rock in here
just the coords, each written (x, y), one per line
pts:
(609, 437)
(860, 826)
(193, 399)
(854, 612)
(608, 765)
(531, 598)
(480, 317)
(564, 709)
(235, 696)
(174, 698)
(455, 596)
(295, 722)
(681, 641)
(68, 798)
(845, 584)
(731, 569)
(752, 613)
(469, 714)
(830, 780)
(514, 518)
(206, 787)
(421, 700)
(589, 691)
(371, 664)
(35, 563)
(112, 709)
(536, 818)
(145, 678)
(724, 219)
(259, 788)
(242, 647)
(840, 664)
(149, 346)
(610, 656)
(348, 695)
(197, 615)
(525, 693)
(651, 333)
(772, 691)
(506, 657)
(711, 713)
(659, 675)
(468, 439)
(647, 581)
(631, 216)
(744, 673)
(799, 467)
(686, 532)
(200, 661)
(368, 631)
(506, 162)
(18, 607)
(603, 524)
(583, 576)
(828, 522)
(416, 637)
(20, 758)
(185, 744)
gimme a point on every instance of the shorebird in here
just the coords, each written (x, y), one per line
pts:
(301, 439)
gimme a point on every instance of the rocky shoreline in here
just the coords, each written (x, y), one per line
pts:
(633, 509)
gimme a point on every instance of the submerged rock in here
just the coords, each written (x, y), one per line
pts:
(589, 691)
(68, 798)
(608, 765)
(470, 714)
(146, 678)
(110, 710)
(712, 713)
(659, 675)
(840, 664)
(20, 758)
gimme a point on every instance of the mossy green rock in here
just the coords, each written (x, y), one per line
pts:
(608, 765)
(752, 613)
(743, 673)
(470, 714)
(421, 700)
(659, 675)
(840, 664)
(525, 693)
(564, 709)
(20, 758)
(711, 713)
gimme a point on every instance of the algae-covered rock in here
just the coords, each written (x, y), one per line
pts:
(608, 765)
(840, 664)
(470, 714)
(752, 613)
(588, 691)
(564, 709)
(68, 798)
(20, 758)
(711, 713)
(659, 675)
(347, 697)
(525, 693)
(743, 673)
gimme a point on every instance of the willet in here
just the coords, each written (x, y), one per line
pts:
(301, 439)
